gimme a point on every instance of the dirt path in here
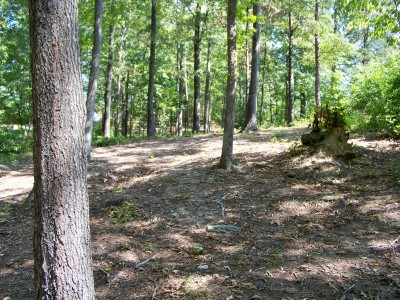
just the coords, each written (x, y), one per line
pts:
(310, 227)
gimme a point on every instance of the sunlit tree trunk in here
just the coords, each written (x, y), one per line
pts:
(107, 95)
(61, 239)
(226, 160)
(251, 105)
(119, 78)
(93, 77)
(289, 110)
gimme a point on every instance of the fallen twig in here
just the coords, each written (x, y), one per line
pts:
(141, 264)
(221, 202)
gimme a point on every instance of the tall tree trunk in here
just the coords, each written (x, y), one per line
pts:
(179, 89)
(251, 105)
(197, 43)
(132, 105)
(125, 111)
(93, 77)
(119, 77)
(290, 80)
(151, 122)
(263, 85)
(61, 241)
(247, 53)
(226, 160)
(317, 58)
(207, 94)
(107, 95)
(185, 77)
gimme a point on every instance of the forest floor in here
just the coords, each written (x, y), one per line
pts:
(311, 227)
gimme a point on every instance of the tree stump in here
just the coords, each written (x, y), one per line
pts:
(332, 137)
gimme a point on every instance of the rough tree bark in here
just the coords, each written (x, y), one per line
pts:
(61, 210)
(289, 110)
(197, 43)
(107, 95)
(151, 121)
(226, 160)
(93, 77)
(317, 58)
(251, 105)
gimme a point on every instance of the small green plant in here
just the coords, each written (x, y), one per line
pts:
(5, 209)
(240, 257)
(149, 246)
(122, 214)
(153, 154)
(198, 249)
(296, 149)
(165, 270)
(397, 176)
(274, 139)
(275, 260)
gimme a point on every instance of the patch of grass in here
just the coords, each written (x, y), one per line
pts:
(296, 149)
(275, 260)
(274, 139)
(397, 176)
(240, 257)
(5, 209)
(100, 141)
(153, 154)
(122, 214)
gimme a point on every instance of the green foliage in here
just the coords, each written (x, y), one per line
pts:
(376, 96)
(15, 144)
(122, 214)
(105, 142)
(5, 209)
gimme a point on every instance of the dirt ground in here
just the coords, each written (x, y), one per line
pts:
(310, 227)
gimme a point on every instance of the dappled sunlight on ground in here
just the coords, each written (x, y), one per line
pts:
(310, 227)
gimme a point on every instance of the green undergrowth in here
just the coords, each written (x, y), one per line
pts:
(15, 145)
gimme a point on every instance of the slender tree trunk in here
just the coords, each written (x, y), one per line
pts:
(247, 65)
(303, 104)
(263, 85)
(207, 94)
(119, 77)
(107, 95)
(93, 77)
(251, 105)
(132, 105)
(179, 89)
(290, 80)
(125, 112)
(186, 94)
(151, 122)
(197, 43)
(226, 160)
(317, 58)
(61, 239)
